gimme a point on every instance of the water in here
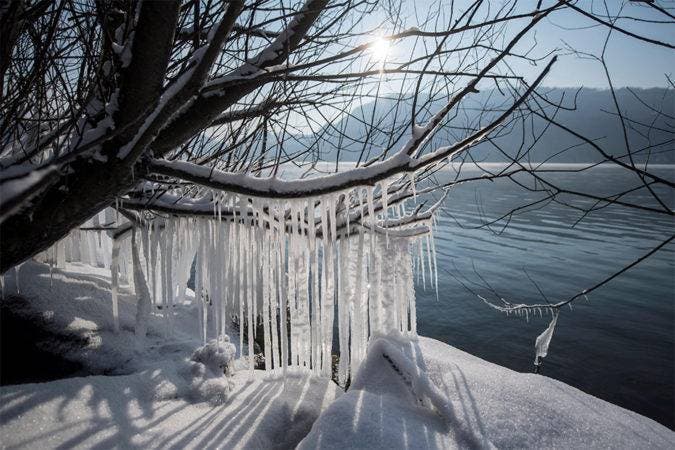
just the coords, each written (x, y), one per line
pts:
(620, 345)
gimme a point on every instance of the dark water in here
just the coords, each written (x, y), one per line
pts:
(620, 345)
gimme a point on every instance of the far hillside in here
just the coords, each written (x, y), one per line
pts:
(649, 113)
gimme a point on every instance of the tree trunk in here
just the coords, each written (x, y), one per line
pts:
(91, 186)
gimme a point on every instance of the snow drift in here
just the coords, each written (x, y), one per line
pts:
(422, 393)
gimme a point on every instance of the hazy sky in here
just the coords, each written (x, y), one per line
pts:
(631, 62)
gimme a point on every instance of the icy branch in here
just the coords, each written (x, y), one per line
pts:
(400, 163)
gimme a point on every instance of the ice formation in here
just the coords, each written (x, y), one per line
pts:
(544, 340)
(301, 268)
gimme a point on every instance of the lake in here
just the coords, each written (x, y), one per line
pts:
(619, 345)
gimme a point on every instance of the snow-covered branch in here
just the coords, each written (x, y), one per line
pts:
(523, 308)
(399, 163)
(181, 93)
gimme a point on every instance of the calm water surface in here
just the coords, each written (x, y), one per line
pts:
(618, 346)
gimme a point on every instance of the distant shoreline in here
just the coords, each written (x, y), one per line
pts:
(326, 167)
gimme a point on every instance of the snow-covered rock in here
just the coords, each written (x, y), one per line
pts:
(211, 367)
(426, 394)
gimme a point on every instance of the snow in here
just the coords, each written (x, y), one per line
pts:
(77, 300)
(166, 391)
(147, 410)
(405, 392)
(273, 186)
(422, 393)
(217, 356)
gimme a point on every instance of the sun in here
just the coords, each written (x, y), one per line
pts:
(380, 48)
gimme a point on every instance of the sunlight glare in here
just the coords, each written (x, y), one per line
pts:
(380, 48)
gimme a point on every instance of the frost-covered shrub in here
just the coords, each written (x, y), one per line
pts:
(214, 359)
(211, 367)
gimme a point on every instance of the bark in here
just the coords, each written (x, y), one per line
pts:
(206, 109)
(88, 185)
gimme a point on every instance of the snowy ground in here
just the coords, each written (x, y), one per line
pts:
(77, 302)
(128, 411)
(150, 398)
(408, 394)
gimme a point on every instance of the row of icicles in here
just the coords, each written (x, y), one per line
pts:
(269, 267)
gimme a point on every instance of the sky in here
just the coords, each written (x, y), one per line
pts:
(631, 62)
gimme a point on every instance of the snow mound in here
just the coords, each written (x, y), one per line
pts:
(422, 393)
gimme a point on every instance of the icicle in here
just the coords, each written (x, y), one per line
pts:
(327, 288)
(292, 269)
(303, 289)
(241, 286)
(348, 201)
(52, 257)
(17, 269)
(61, 254)
(199, 277)
(249, 293)
(411, 176)
(384, 186)
(343, 304)
(275, 281)
(142, 293)
(431, 273)
(283, 326)
(314, 270)
(266, 316)
(421, 264)
(114, 276)
(544, 340)
(378, 290)
(359, 333)
(256, 265)
(167, 260)
(435, 260)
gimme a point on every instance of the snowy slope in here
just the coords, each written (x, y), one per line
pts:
(399, 399)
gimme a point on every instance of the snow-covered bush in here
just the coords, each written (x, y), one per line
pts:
(215, 359)
(211, 367)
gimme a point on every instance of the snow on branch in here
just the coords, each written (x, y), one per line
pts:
(275, 53)
(523, 308)
(17, 191)
(401, 162)
(181, 93)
